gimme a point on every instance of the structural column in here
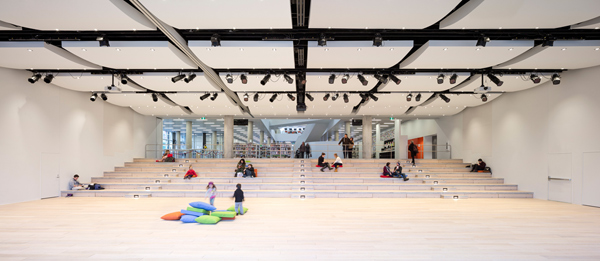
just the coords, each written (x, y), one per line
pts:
(228, 137)
(367, 142)
(349, 128)
(214, 140)
(397, 143)
(262, 137)
(188, 138)
(250, 132)
(337, 136)
(377, 140)
(177, 144)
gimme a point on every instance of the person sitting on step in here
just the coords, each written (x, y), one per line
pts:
(398, 171)
(386, 170)
(75, 185)
(167, 157)
(321, 163)
(479, 166)
(191, 173)
(337, 162)
(241, 166)
(249, 172)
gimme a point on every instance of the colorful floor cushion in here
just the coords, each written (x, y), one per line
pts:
(202, 205)
(172, 216)
(226, 218)
(188, 219)
(206, 219)
(205, 212)
(383, 176)
(223, 214)
(193, 213)
(232, 208)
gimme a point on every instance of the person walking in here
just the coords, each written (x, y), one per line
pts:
(302, 150)
(345, 141)
(307, 151)
(414, 150)
(350, 147)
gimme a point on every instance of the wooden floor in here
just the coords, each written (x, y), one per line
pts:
(285, 229)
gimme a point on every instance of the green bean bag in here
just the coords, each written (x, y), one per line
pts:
(223, 214)
(206, 219)
(232, 208)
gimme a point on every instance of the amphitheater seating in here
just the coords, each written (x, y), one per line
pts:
(298, 178)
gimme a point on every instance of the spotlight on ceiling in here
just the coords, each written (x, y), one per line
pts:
(177, 78)
(203, 97)
(346, 99)
(34, 78)
(362, 80)
(300, 78)
(229, 78)
(446, 99)
(93, 97)
(273, 97)
(534, 78)
(440, 79)
(215, 40)
(355, 109)
(256, 97)
(409, 97)
(482, 41)
(103, 42)
(103, 96)
(265, 79)
(190, 78)
(289, 95)
(48, 78)
(363, 97)
(453, 78)
(381, 78)
(373, 97)
(378, 40)
(245, 97)
(483, 98)
(335, 97)
(123, 79)
(214, 96)
(244, 79)
(548, 42)
(154, 97)
(418, 97)
(326, 97)
(322, 41)
(495, 79)
(556, 79)
(310, 98)
(288, 78)
(394, 79)
(345, 78)
(332, 79)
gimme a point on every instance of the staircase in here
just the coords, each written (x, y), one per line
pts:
(299, 178)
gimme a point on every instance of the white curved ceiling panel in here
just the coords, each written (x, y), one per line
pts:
(511, 83)
(356, 54)
(457, 104)
(276, 83)
(378, 14)
(162, 82)
(143, 104)
(320, 82)
(464, 54)
(131, 54)
(421, 82)
(232, 14)
(320, 108)
(245, 54)
(282, 106)
(87, 82)
(520, 14)
(564, 54)
(390, 105)
(219, 107)
(590, 24)
(74, 15)
(6, 26)
(39, 55)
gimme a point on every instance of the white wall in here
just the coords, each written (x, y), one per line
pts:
(41, 118)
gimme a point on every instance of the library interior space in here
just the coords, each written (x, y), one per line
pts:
(300, 129)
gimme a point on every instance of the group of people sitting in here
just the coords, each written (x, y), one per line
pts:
(167, 157)
(396, 173)
(243, 170)
(325, 165)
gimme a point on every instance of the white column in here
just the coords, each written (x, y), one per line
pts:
(214, 140)
(188, 135)
(250, 132)
(377, 140)
(228, 137)
(397, 142)
(337, 136)
(177, 139)
(367, 140)
(349, 128)
(262, 137)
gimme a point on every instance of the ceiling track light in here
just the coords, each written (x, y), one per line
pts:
(288, 78)
(289, 95)
(177, 78)
(123, 79)
(190, 78)
(256, 97)
(326, 97)
(453, 78)
(103, 96)
(378, 40)
(418, 97)
(322, 40)
(355, 109)
(409, 97)
(556, 79)
(381, 78)
(300, 78)
(446, 99)
(484, 98)
(440, 78)
(34, 78)
(482, 41)
(335, 97)
(215, 40)
(394, 79)
(214, 96)
(244, 79)
(345, 78)
(310, 98)
(155, 97)
(362, 80)
(534, 78)
(245, 97)
(229, 78)
(346, 99)
(265, 79)
(332, 79)
(272, 99)
(94, 97)
(495, 79)
(203, 97)
(48, 78)
(364, 97)
(373, 97)
(548, 42)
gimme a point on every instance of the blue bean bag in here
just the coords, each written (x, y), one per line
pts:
(202, 205)
(188, 219)
(191, 213)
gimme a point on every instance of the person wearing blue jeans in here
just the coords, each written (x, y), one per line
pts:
(398, 171)
(238, 195)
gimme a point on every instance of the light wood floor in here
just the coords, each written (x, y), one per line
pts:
(284, 229)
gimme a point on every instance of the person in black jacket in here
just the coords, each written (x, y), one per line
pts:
(307, 151)
(479, 166)
(322, 162)
(302, 150)
(414, 150)
(345, 141)
(238, 195)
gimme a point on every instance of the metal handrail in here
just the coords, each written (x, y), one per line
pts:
(551, 178)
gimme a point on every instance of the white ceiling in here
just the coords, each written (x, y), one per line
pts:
(378, 14)
(276, 83)
(39, 55)
(421, 82)
(7, 26)
(131, 54)
(87, 82)
(520, 14)
(143, 104)
(281, 107)
(162, 82)
(219, 107)
(390, 105)
(320, 82)
(245, 54)
(590, 24)
(564, 54)
(330, 108)
(74, 15)
(464, 54)
(512, 83)
(457, 103)
(231, 14)
(356, 54)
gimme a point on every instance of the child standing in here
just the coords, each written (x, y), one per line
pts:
(239, 198)
(191, 173)
(211, 192)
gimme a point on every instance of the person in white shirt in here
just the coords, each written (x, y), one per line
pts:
(337, 162)
(75, 185)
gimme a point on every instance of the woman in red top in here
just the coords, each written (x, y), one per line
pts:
(191, 173)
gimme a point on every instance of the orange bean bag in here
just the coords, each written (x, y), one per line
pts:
(173, 216)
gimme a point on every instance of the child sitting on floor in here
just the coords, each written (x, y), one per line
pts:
(191, 173)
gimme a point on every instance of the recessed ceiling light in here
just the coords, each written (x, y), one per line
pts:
(478, 49)
(241, 49)
(208, 49)
(152, 49)
(445, 49)
(358, 49)
(391, 49)
(118, 49)
(510, 49)
(499, 27)
(274, 49)
(564, 49)
(537, 28)
(596, 47)
(29, 50)
(326, 49)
